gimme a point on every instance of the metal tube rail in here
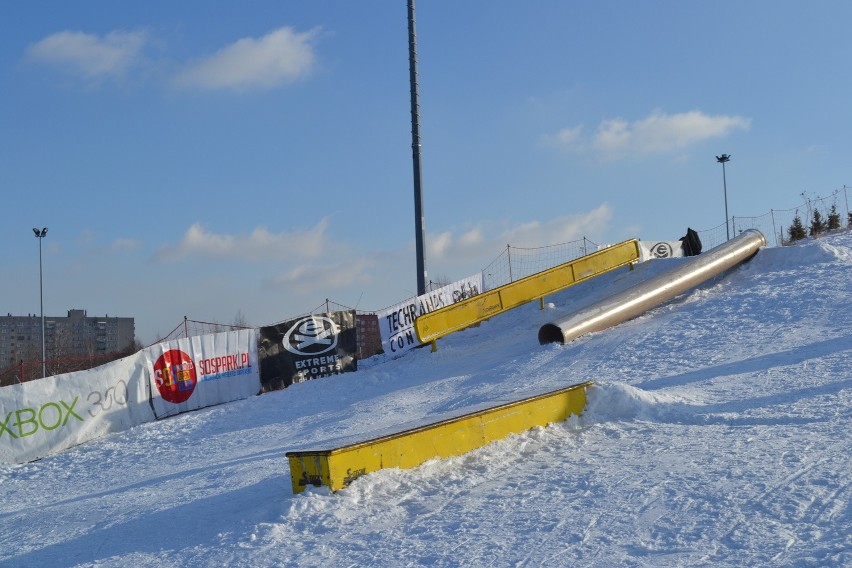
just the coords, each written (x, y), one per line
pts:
(651, 293)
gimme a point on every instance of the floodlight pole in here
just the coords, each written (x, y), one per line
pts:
(722, 160)
(40, 235)
(419, 225)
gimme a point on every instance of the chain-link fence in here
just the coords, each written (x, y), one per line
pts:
(192, 328)
(817, 215)
(515, 263)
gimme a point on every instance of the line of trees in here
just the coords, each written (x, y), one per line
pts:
(819, 224)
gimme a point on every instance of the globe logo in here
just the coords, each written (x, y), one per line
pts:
(311, 335)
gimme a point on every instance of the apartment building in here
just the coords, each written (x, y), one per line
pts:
(369, 337)
(73, 336)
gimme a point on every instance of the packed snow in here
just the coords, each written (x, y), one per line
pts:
(717, 434)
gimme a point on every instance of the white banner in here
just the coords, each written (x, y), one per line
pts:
(660, 249)
(45, 416)
(201, 371)
(396, 324)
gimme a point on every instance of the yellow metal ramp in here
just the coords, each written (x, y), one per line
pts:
(434, 325)
(338, 467)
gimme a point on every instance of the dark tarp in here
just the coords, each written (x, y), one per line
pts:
(690, 243)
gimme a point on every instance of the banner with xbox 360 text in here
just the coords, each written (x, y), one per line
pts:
(45, 416)
(308, 347)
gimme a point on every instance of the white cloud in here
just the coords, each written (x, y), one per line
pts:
(311, 278)
(446, 243)
(663, 133)
(90, 55)
(658, 133)
(298, 269)
(450, 257)
(124, 245)
(565, 138)
(259, 245)
(560, 230)
(474, 249)
(86, 237)
(280, 56)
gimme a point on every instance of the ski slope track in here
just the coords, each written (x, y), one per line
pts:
(717, 434)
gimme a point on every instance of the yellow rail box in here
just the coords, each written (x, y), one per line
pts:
(434, 325)
(338, 467)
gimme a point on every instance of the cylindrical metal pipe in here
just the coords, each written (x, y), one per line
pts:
(651, 293)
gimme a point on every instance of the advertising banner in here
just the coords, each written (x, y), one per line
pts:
(660, 249)
(396, 324)
(192, 373)
(307, 348)
(45, 416)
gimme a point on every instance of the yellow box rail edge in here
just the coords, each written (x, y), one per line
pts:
(432, 326)
(336, 468)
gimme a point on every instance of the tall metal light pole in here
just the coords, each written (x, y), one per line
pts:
(419, 226)
(40, 235)
(722, 160)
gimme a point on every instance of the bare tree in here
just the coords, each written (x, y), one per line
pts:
(240, 320)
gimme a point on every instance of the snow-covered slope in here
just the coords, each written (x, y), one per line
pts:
(717, 434)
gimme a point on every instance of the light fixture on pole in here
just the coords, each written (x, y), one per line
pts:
(40, 235)
(722, 160)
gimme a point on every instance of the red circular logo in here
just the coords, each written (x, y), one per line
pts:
(174, 373)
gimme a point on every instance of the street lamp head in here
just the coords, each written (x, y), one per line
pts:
(36, 232)
(40, 234)
(723, 158)
(44, 232)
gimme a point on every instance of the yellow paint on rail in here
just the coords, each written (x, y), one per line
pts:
(434, 325)
(338, 467)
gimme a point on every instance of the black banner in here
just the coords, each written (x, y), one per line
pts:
(307, 348)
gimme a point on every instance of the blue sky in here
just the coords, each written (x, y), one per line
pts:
(210, 158)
